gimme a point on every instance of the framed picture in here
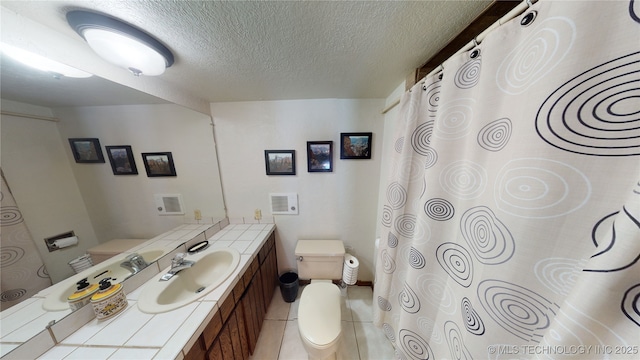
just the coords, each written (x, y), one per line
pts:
(86, 150)
(121, 159)
(355, 145)
(158, 164)
(280, 162)
(320, 156)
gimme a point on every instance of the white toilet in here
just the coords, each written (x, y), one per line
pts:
(319, 311)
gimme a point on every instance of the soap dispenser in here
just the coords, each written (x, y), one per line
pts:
(82, 295)
(109, 300)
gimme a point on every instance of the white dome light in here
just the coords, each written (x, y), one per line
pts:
(121, 44)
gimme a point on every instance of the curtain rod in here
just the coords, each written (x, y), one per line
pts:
(524, 5)
(519, 9)
(29, 116)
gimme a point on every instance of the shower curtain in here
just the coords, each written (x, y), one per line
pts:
(22, 272)
(510, 226)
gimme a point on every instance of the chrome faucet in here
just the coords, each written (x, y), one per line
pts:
(178, 263)
(134, 263)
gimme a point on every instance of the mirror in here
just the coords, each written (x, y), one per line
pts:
(55, 194)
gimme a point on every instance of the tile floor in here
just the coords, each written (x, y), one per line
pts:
(279, 338)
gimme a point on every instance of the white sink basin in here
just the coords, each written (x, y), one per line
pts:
(211, 269)
(57, 299)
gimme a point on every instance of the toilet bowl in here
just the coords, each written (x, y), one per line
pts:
(319, 319)
(319, 310)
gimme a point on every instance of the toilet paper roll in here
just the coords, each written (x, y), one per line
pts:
(66, 242)
(350, 269)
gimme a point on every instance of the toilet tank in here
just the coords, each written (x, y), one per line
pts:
(320, 259)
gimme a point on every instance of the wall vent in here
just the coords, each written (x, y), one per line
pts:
(284, 203)
(169, 204)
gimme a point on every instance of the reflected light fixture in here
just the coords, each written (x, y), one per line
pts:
(121, 44)
(42, 63)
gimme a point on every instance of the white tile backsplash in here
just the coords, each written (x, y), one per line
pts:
(84, 353)
(65, 327)
(122, 328)
(57, 352)
(258, 226)
(87, 331)
(253, 247)
(27, 315)
(158, 330)
(6, 348)
(36, 346)
(35, 326)
(208, 233)
(241, 246)
(128, 354)
(249, 235)
(221, 244)
(232, 235)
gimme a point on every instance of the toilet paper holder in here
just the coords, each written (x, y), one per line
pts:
(51, 240)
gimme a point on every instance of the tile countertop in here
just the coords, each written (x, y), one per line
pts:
(133, 334)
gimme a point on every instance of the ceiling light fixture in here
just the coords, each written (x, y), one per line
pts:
(42, 63)
(121, 44)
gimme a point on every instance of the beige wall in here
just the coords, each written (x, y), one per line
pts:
(37, 169)
(337, 205)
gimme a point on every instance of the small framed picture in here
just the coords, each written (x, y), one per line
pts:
(355, 145)
(320, 156)
(86, 150)
(121, 159)
(159, 164)
(280, 162)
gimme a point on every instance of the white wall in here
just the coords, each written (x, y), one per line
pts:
(337, 205)
(35, 164)
(123, 206)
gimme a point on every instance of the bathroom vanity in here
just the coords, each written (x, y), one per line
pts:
(223, 323)
(232, 332)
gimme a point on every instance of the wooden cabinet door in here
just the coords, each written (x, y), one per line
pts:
(197, 351)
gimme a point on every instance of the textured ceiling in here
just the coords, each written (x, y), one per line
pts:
(271, 50)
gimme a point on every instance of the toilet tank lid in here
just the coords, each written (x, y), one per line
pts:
(319, 247)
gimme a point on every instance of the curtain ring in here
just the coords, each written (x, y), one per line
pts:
(529, 3)
(475, 43)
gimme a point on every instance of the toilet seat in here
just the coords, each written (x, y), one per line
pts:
(319, 314)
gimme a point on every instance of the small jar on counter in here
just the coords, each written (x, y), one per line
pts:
(109, 300)
(82, 296)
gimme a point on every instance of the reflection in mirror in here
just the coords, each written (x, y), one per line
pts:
(117, 269)
(55, 195)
